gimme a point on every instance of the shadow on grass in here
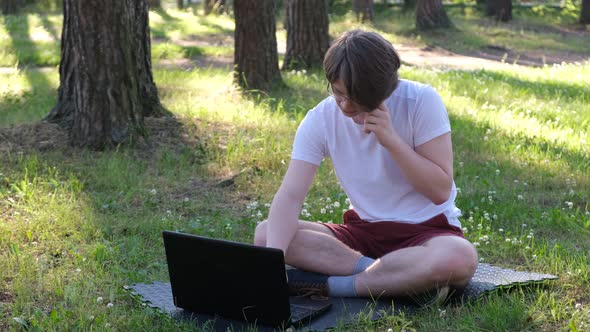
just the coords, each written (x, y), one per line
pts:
(37, 79)
(50, 27)
(27, 51)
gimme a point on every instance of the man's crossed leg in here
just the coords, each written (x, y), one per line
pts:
(445, 260)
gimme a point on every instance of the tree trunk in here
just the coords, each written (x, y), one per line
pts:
(364, 9)
(307, 33)
(180, 4)
(501, 10)
(106, 83)
(430, 14)
(256, 61)
(585, 12)
(10, 7)
(154, 3)
(214, 6)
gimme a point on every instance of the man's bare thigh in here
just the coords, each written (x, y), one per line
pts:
(315, 226)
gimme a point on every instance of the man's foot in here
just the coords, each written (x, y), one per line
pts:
(433, 298)
(304, 283)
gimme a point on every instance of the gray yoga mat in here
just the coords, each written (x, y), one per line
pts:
(345, 311)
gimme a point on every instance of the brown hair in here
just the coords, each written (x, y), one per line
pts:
(367, 65)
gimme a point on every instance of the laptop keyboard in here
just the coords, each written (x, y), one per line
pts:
(299, 312)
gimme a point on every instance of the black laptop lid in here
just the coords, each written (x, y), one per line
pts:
(230, 279)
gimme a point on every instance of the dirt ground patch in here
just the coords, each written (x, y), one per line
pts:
(42, 136)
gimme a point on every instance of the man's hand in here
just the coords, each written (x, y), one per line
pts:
(378, 122)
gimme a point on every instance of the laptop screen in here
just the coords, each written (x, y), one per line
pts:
(229, 279)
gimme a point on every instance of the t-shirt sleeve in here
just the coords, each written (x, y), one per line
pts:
(430, 117)
(310, 140)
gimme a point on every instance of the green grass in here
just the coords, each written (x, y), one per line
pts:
(76, 226)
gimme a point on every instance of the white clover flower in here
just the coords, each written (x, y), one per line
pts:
(259, 214)
(495, 216)
(328, 199)
(99, 299)
(153, 191)
(508, 239)
(570, 205)
(323, 211)
(109, 305)
(497, 172)
(78, 270)
(336, 204)
(520, 197)
(534, 256)
(481, 259)
(501, 230)
(523, 225)
(476, 244)
(485, 138)
(461, 164)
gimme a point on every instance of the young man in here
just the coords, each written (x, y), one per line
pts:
(390, 144)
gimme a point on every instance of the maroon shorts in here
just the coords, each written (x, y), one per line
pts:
(375, 239)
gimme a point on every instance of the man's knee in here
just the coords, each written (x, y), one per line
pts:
(260, 234)
(456, 263)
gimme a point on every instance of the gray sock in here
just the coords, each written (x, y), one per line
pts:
(362, 264)
(341, 286)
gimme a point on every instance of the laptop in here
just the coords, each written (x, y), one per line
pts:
(234, 280)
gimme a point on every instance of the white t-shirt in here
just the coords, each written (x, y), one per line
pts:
(368, 174)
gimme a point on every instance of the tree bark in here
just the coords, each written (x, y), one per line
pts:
(430, 14)
(585, 12)
(106, 83)
(364, 9)
(501, 10)
(214, 6)
(307, 33)
(10, 7)
(256, 59)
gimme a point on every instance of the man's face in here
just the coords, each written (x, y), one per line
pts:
(348, 107)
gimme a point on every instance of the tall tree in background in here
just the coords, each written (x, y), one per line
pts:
(256, 61)
(585, 13)
(501, 10)
(106, 84)
(364, 9)
(10, 6)
(214, 6)
(180, 4)
(307, 33)
(430, 14)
